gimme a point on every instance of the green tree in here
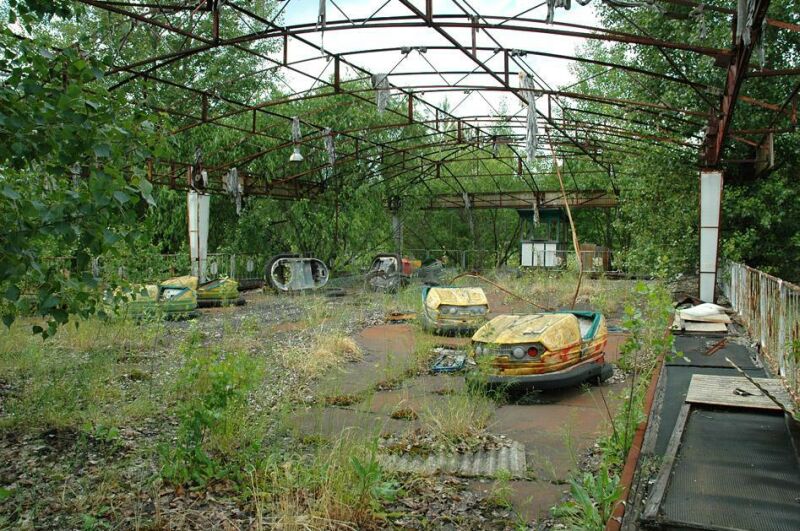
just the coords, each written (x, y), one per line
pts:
(72, 171)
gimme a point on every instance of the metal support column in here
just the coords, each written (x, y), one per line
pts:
(397, 224)
(710, 216)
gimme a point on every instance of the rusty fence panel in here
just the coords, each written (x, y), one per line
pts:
(769, 308)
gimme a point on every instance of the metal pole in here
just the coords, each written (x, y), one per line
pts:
(710, 214)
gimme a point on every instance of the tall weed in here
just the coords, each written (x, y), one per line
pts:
(338, 485)
(592, 501)
(215, 428)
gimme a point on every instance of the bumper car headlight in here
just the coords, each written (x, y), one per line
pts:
(518, 353)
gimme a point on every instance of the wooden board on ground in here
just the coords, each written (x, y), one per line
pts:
(736, 391)
(715, 318)
(695, 327)
(702, 328)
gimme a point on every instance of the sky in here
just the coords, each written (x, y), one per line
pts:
(553, 72)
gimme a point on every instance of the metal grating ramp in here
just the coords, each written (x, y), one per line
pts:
(734, 470)
(696, 347)
(677, 381)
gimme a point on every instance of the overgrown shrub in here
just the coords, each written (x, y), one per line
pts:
(592, 500)
(594, 493)
(646, 320)
(338, 485)
(214, 432)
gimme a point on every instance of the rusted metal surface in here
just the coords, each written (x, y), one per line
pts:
(769, 307)
(525, 199)
(629, 469)
(477, 36)
(737, 71)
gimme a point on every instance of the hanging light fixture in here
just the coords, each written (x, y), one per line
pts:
(296, 155)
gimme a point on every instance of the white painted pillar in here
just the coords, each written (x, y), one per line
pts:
(198, 205)
(710, 216)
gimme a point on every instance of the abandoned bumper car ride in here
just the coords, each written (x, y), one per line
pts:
(543, 351)
(287, 273)
(453, 310)
(180, 297)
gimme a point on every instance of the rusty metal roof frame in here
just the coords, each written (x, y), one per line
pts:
(599, 136)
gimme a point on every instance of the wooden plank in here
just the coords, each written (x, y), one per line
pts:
(720, 391)
(662, 480)
(696, 327)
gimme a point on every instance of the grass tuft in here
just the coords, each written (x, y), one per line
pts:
(457, 418)
(327, 350)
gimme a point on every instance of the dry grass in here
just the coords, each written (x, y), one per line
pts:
(327, 350)
(458, 417)
(556, 290)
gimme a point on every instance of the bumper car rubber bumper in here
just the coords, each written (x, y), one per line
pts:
(444, 327)
(571, 376)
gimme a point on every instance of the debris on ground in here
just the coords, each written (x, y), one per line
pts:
(449, 360)
(421, 442)
(404, 413)
(400, 317)
(618, 376)
(705, 318)
(446, 502)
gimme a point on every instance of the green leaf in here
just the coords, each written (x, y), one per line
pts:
(121, 196)
(8, 319)
(110, 237)
(145, 186)
(10, 193)
(50, 302)
(12, 293)
(102, 150)
(60, 316)
(147, 191)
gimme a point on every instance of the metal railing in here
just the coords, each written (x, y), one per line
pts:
(248, 269)
(769, 307)
(593, 261)
(241, 267)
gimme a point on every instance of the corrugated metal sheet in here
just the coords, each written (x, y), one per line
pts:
(479, 464)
